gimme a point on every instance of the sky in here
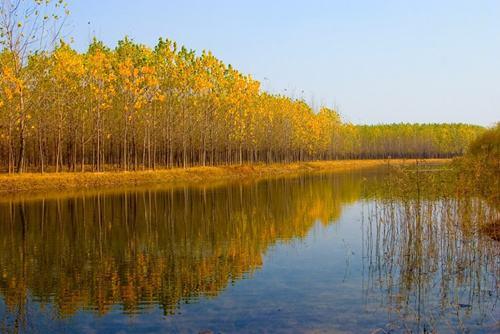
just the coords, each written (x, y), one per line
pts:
(375, 61)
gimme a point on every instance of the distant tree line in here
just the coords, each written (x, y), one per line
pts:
(414, 140)
(135, 107)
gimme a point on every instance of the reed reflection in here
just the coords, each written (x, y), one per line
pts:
(427, 258)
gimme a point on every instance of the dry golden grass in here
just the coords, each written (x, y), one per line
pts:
(55, 182)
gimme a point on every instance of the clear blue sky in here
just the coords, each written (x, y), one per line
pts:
(376, 60)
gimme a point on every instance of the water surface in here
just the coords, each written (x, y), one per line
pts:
(318, 253)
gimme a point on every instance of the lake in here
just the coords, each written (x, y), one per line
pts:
(341, 252)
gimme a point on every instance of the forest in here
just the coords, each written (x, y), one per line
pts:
(133, 107)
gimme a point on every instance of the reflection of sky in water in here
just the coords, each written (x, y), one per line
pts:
(317, 283)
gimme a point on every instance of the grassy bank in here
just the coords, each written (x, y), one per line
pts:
(51, 182)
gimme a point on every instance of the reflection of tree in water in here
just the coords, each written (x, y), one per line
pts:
(139, 249)
(426, 258)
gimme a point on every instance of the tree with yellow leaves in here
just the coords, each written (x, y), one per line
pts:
(100, 90)
(66, 72)
(23, 25)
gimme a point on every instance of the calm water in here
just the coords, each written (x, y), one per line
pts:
(318, 253)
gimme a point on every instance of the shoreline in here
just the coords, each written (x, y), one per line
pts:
(35, 183)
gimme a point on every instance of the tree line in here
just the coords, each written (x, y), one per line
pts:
(135, 107)
(414, 140)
